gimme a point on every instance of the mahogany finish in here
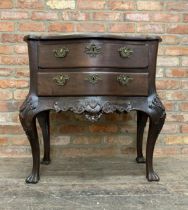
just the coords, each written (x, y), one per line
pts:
(79, 85)
(77, 57)
(92, 74)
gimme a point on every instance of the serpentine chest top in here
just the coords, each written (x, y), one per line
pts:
(92, 74)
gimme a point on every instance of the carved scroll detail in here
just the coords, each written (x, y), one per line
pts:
(157, 105)
(27, 109)
(92, 108)
(93, 117)
(29, 104)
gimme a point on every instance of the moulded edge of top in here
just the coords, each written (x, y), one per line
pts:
(92, 35)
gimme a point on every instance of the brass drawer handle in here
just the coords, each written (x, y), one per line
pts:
(124, 79)
(61, 52)
(125, 52)
(61, 79)
(93, 78)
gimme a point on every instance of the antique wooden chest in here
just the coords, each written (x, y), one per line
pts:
(92, 74)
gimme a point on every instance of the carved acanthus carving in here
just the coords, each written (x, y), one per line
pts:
(30, 104)
(157, 105)
(93, 109)
(93, 117)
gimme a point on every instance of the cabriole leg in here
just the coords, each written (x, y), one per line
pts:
(141, 123)
(27, 114)
(157, 118)
(154, 130)
(43, 119)
(31, 132)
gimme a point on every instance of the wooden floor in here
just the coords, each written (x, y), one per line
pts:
(95, 184)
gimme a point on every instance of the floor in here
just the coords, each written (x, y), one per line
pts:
(95, 184)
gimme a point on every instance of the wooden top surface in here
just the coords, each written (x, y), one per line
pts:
(92, 35)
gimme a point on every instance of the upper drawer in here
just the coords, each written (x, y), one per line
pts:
(93, 53)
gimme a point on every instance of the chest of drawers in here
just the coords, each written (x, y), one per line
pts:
(92, 74)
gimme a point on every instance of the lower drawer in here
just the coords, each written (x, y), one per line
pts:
(92, 83)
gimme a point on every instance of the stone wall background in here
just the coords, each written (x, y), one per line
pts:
(113, 135)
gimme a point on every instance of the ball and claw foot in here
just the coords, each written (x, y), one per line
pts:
(152, 176)
(45, 161)
(32, 179)
(140, 159)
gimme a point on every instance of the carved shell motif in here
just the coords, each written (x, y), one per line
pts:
(93, 109)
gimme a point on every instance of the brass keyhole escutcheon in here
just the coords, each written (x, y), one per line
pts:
(93, 50)
(61, 52)
(93, 78)
(61, 79)
(124, 79)
(125, 52)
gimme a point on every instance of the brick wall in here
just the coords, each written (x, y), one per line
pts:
(114, 134)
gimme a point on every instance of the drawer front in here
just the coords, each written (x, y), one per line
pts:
(93, 54)
(92, 84)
